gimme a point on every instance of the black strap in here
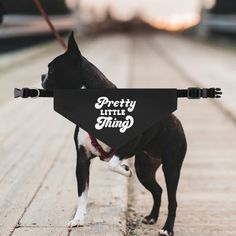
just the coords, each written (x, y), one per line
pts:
(196, 93)
(191, 93)
(33, 93)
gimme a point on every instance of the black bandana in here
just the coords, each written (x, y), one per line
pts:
(115, 116)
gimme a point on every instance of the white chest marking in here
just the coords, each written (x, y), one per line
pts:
(114, 163)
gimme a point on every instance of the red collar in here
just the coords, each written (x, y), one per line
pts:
(98, 147)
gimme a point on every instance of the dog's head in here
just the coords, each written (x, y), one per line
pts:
(65, 71)
(72, 71)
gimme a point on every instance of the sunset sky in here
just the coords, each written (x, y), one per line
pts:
(166, 14)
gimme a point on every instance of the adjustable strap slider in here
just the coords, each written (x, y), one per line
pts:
(194, 93)
(204, 93)
(34, 93)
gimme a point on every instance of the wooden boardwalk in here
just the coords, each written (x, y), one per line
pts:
(37, 155)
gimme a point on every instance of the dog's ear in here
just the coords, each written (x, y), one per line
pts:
(73, 48)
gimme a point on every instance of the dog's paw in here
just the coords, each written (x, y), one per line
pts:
(164, 232)
(148, 220)
(75, 223)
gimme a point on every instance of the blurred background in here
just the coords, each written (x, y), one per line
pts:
(138, 44)
(200, 17)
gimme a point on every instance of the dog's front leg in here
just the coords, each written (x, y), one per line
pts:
(82, 175)
(116, 166)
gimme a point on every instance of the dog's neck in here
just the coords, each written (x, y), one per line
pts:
(93, 77)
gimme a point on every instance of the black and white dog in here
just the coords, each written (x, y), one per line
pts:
(164, 143)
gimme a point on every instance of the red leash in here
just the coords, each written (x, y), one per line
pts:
(45, 16)
(94, 142)
(104, 154)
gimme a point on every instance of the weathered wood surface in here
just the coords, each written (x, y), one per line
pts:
(37, 177)
(37, 155)
(203, 64)
(207, 190)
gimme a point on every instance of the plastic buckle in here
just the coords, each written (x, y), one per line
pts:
(215, 93)
(18, 93)
(218, 93)
(194, 93)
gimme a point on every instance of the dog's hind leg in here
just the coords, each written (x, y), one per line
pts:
(82, 174)
(171, 168)
(146, 167)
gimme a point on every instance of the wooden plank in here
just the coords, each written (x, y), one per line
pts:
(19, 140)
(205, 64)
(98, 230)
(29, 231)
(56, 194)
(24, 179)
(112, 55)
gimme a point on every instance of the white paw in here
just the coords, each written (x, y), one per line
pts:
(128, 170)
(75, 223)
(165, 232)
